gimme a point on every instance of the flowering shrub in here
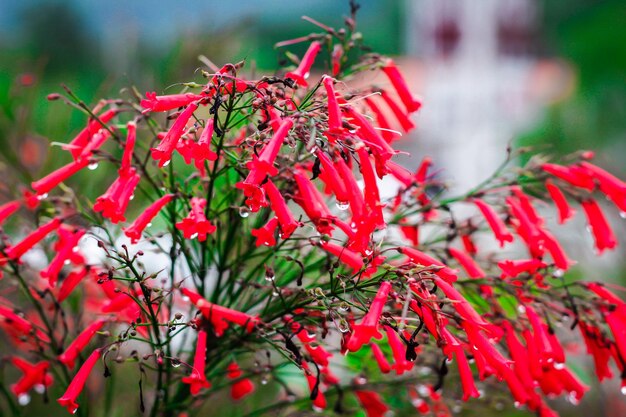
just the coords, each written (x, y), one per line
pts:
(282, 257)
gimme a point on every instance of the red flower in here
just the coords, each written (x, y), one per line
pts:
(336, 59)
(202, 150)
(400, 363)
(385, 128)
(401, 116)
(127, 157)
(463, 307)
(264, 163)
(15, 252)
(220, 316)
(95, 143)
(197, 380)
(363, 332)
(381, 360)
(70, 282)
(68, 358)
(563, 207)
(556, 251)
(114, 201)
(242, 387)
(163, 152)
(33, 376)
(6, 210)
(196, 223)
(335, 123)
(576, 176)
(66, 251)
(421, 258)
(68, 400)
(288, 223)
(317, 396)
(252, 190)
(379, 147)
(313, 204)
(469, 265)
(265, 235)
(398, 82)
(372, 403)
(135, 230)
(611, 186)
(602, 232)
(300, 74)
(465, 373)
(50, 181)
(353, 193)
(155, 103)
(371, 194)
(514, 268)
(495, 222)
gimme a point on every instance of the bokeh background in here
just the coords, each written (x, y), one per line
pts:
(493, 73)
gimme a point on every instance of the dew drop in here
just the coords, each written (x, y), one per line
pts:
(558, 366)
(264, 381)
(517, 405)
(318, 409)
(622, 214)
(521, 309)
(342, 205)
(149, 225)
(423, 390)
(40, 388)
(623, 390)
(167, 163)
(269, 277)
(195, 235)
(344, 306)
(132, 197)
(343, 326)
(66, 262)
(23, 399)
(92, 167)
(75, 249)
(185, 298)
(42, 196)
(244, 212)
(558, 273)
(175, 363)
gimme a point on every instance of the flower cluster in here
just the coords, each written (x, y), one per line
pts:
(284, 253)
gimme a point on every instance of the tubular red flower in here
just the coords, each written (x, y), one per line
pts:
(68, 358)
(611, 186)
(526, 228)
(465, 373)
(418, 257)
(155, 103)
(514, 268)
(196, 223)
(265, 235)
(468, 244)
(220, 316)
(381, 120)
(563, 207)
(495, 222)
(335, 124)
(470, 266)
(95, 143)
(363, 332)
(33, 376)
(381, 360)
(354, 197)
(6, 210)
(602, 232)
(300, 74)
(336, 58)
(332, 179)
(352, 259)
(317, 396)
(135, 230)
(129, 146)
(202, 150)
(70, 282)
(114, 201)
(313, 204)
(197, 380)
(401, 174)
(399, 84)
(78, 144)
(163, 152)
(265, 161)
(556, 251)
(371, 194)
(15, 252)
(288, 223)
(598, 348)
(571, 174)
(463, 307)
(252, 190)
(411, 232)
(372, 403)
(66, 251)
(242, 386)
(401, 116)
(400, 363)
(68, 400)
(379, 147)
(50, 181)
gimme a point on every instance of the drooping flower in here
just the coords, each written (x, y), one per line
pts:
(317, 396)
(300, 74)
(381, 120)
(574, 175)
(354, 195)
(401, 87)
(313, 204)
(370, 192)
(372, 403)
(197, 380)
(70, 282)
(50, 181)
(202, 150)
(66, 252)
(6, 210)
(421, 258)
(255, 196)
(465, 373)
(68, 399)
(114, 201)
(610, 185)
(220, 317)
(155, 103)
(335, 123)
(336, 56)
(15, 252)
(33, 376)
(602, 232)
(242, 386)
(135, 230)
(196, 223)
(367, 329)
(401, 116)
(495, 222)
(557, 252)
(400, 362)
(265, 235)
(381, 360)
(129, 147)
(264, 163)
(471, 267)
(514, 268)
(286, 220)
(380, 148)
(163, 152)
(80, 141)
(68, 358)
(564, 209)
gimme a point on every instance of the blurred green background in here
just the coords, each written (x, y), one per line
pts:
(100, 47)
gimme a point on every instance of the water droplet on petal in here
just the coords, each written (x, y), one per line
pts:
(195, 235)
(558, 273)
(244, 212)
(40, 388)
(521, 309)
(132, 197)
(175, 363)
(42, 196)
(167, 163)
(92, 167)
(559, 366)
(149, 225)
(23, 399)
(342, 205)
(622, 214)
(623, 390)
(66, 262)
